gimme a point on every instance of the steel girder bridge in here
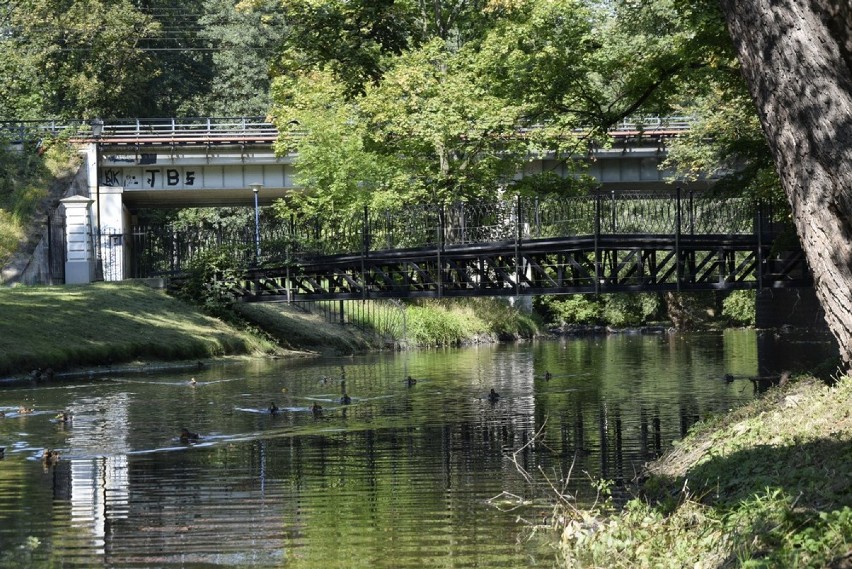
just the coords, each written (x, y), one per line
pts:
(600, 243)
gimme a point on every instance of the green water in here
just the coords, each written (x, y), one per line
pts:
(429, 475)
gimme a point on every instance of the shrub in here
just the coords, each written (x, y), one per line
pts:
(740, 307)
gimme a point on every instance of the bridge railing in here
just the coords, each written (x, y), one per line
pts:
(167, 129)
(610, 213)
(252, 127)
(167, 250)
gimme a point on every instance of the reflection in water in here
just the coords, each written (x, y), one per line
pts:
(403, 476)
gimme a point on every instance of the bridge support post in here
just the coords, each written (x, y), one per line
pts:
(114, 223)
(80, 258)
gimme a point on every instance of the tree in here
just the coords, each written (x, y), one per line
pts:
(244, 40)
(439, 119)
(797, 60)
(73, 59)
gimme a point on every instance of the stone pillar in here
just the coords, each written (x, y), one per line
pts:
(79, 258)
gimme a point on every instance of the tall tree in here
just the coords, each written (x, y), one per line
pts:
(184, 60)
(70, 59)
(244, 39)
(796, 56)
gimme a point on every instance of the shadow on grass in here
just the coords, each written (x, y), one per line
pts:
(777, 503)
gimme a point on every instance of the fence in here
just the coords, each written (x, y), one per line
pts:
(162, 250)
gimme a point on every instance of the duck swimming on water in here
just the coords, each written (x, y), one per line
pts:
(49, 457)
(316, 409)
(493, 396)
(188, 437)
(345, 400)
(273, 408)
(410, 381)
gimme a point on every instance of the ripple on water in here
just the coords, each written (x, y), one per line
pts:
(402, 477)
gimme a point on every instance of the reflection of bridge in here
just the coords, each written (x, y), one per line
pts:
(590, 244)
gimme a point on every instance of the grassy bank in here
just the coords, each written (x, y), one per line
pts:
(767, 485)
(112, 323)
(71, 326)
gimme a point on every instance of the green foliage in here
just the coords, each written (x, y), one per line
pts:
(25, 179)
(617, 310)
(740, 307)
(122, 58)
(449, 323)
(246, 36)
(433, 324)
(346, 38)
(630, 309)
(572, 309)
(206, 281)
(73, 59)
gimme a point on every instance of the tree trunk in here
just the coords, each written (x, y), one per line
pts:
(796, 56)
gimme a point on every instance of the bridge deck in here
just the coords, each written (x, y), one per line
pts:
(582, 264)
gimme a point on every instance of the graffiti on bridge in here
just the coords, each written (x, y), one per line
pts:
(148, 178)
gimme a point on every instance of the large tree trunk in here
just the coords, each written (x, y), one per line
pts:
(796, 56)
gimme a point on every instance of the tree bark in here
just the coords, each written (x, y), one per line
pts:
(796, 56)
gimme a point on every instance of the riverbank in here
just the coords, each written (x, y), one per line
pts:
(766, 485)
(50, 330)
(45, 331)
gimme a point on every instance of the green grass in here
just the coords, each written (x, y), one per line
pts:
(295, 329)
(69, 326)
(767, 485)
(460, 321)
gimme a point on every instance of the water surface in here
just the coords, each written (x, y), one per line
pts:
(429, 475)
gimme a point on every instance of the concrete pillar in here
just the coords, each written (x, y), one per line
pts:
(113, 230)
(80, 259)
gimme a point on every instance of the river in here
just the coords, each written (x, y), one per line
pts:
(432, 474)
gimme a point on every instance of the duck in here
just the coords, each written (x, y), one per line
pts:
(188, 437)
(345, 400)
(24, 410)
(193, 382)
(316, 409)
(2, 414)
(547, 376)
(2, 452)
(410, 381)
(64, 417)
(493, 396)
(728, 378)
(273, 408)
(49, 456)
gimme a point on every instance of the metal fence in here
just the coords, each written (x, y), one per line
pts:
(158, 250)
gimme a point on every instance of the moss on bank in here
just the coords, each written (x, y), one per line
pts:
(767, 485)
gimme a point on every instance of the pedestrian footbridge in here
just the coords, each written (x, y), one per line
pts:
(133, 164)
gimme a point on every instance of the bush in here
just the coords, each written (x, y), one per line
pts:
(740, 307)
